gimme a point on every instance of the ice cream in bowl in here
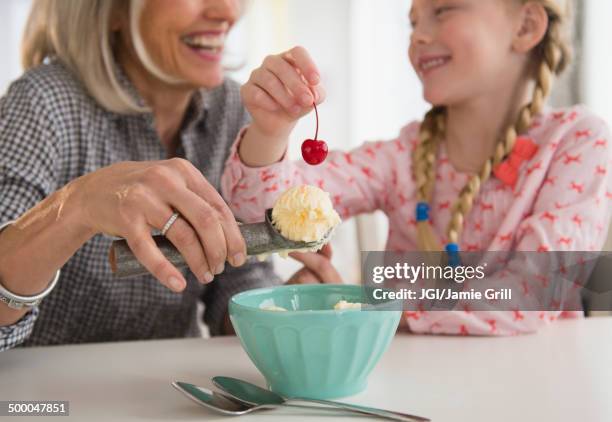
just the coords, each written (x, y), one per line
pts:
(316, 340)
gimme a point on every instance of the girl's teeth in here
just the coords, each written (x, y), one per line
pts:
(432, 63)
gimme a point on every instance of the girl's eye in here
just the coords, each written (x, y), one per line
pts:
(439, 11)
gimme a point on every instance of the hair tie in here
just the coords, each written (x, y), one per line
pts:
(422, 211)
(452, 249)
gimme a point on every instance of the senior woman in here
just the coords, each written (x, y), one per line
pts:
(115, 89)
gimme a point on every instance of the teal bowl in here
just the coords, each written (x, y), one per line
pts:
(312, 350)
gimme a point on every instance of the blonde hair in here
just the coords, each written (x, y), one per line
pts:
(136, 7)
(551, 57)
(79, 34)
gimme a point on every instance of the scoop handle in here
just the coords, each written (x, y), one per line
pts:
(260, 238)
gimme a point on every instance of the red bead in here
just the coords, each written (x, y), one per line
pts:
(314, 152)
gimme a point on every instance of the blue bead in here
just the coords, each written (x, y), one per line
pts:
(422, 211)
(452, 247)
(453, 254)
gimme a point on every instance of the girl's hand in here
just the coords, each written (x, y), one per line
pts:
(317, 268)
(281, 91)
(129, 199)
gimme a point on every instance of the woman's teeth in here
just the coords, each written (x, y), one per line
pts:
(430, 64)
(206, 42)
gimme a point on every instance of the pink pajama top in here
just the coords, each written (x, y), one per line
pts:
(560, 201)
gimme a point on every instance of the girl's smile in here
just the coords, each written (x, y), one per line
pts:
(429, 63)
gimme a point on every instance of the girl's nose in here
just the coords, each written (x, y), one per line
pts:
(420, 34)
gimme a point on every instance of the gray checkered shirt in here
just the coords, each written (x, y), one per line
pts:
(51, 132)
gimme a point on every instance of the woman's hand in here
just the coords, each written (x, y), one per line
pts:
(129, 199)
(317, 268)
(276, 95)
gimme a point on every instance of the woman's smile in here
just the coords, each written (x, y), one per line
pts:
(207, 45)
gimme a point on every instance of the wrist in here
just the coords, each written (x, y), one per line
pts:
(74, 201)
(259, 148)
(280, 133)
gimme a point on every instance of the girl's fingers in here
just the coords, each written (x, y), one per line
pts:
(319, 94)
(252, 94)
(299, 57)
(326, 251)
(320, 265)
(148, 254)
(269, 82)
(291, 79)
(303, 276)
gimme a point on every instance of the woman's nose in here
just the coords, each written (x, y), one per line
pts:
(226, 10)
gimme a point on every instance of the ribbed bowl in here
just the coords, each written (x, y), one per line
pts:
(312, 350)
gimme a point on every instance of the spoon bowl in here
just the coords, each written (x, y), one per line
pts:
(215, 401)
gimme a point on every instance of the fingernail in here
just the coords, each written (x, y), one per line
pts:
(220, 268)
(306, 99)
(314, 78)
(176, 284)
(208, 277)
(239, 259)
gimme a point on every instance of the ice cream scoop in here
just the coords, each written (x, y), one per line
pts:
(304, 214)
(260, 238)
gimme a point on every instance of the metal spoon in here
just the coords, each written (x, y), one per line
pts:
(226, 405)
(260, 238)
(217, 402)
(251, 394)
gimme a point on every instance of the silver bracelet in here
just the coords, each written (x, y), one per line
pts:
(18, 302)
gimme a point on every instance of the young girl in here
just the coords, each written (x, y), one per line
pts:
(490, 167)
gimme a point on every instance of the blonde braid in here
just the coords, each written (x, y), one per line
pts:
(552, 57)
(424, 171)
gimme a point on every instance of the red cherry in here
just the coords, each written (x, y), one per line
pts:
(314, 151)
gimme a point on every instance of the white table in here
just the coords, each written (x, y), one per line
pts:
(563, 373)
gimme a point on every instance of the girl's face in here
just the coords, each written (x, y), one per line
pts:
(185, 38)
(462, 48)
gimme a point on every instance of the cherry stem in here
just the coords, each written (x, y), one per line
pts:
(317, 117)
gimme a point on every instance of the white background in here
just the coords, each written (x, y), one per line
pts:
(360, 47)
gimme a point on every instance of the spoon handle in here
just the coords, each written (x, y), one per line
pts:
(387, 414)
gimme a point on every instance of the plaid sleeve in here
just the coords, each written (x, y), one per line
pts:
(28, 163)
(13, 335)
(234, 280)
(27, 172)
